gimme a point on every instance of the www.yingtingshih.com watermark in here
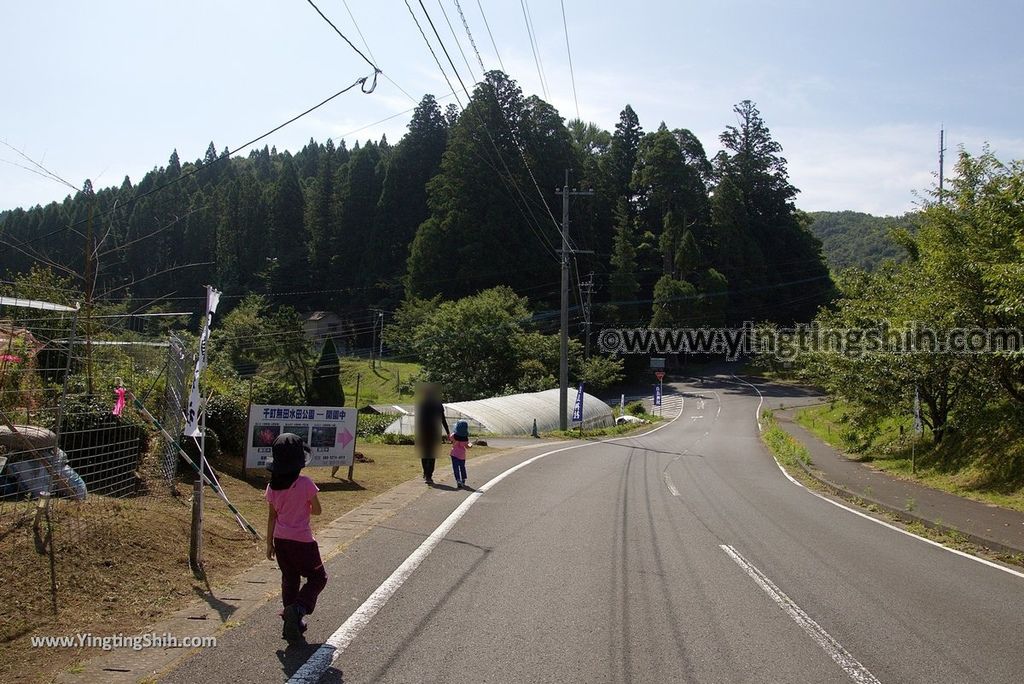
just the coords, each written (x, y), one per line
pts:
(788, 343)
(135, 642)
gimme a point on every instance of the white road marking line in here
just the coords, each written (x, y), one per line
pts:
(977, 559)
(315, 667)
(760, 401)
(668, 483)
(833, 648)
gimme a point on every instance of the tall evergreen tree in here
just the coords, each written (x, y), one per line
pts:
(325, 387)
(288, 266)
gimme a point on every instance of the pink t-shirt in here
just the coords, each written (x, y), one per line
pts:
(293, 509)
(459, 449)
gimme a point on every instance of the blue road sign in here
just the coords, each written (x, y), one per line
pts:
(657, 394)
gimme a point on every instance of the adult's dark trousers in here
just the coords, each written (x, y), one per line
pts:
(428, 447)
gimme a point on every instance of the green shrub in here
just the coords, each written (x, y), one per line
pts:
(392, 438)
(213, 451)
(373, 424)
(636, 408)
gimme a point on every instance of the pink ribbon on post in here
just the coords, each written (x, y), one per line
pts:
(119, 404)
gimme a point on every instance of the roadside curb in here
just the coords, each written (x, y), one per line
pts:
(246, 593)
(901, 514)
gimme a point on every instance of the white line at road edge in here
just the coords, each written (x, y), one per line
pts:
(873, 519)
(760, 401)
(835, 650)
(324, 657)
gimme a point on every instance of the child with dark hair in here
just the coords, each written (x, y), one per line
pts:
(292, 499)
(460, 442)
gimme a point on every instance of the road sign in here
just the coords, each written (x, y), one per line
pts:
(330, 433)
(657, 362)
(657, 394)
(577, 409)
(660, 375)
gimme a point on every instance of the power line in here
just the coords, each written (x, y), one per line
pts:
(445, 50)
(372, 56)
(465, 25)
(510, 180)
(512, 133)
(458, 43)
(534, 48)
(433, 54)
(568, 51)
(366, 59)
(361, 82)
(488, 26)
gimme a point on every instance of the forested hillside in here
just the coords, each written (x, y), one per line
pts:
(464, 201)
(853, 238)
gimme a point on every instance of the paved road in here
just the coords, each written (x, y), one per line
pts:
(680, 556)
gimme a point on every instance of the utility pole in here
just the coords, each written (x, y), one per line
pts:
(563, 366)
(942, 159)
(373, 342)
(587, 290)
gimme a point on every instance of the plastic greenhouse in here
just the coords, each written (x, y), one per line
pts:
(514, 414)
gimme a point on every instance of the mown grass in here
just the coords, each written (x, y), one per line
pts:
(391, 382)
(982, 459)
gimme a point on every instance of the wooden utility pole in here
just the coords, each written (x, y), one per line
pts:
(563, 366)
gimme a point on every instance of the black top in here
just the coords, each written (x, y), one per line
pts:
(428, 415)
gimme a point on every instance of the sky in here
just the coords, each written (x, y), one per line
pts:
(855, 92)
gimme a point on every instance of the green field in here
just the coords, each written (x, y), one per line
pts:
(391, 382)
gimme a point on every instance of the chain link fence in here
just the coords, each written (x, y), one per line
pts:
(68, 464)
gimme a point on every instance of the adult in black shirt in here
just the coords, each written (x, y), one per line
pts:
(429, 419)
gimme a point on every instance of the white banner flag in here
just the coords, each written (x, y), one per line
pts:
(192, 413)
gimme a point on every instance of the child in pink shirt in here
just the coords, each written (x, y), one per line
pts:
(292, 498)
(460, 442)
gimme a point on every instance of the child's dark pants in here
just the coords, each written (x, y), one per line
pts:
(459, 466)
(297, 560)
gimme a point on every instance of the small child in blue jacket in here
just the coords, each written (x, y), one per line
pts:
(460, 442)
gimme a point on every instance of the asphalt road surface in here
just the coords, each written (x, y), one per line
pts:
(684, 555)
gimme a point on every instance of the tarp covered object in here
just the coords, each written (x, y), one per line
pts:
(514, 414)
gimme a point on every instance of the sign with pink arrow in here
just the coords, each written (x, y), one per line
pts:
(329, 431)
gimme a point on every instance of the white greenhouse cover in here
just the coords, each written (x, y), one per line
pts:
(514, 414)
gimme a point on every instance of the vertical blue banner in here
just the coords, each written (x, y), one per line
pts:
(577, 409)
(657, 394)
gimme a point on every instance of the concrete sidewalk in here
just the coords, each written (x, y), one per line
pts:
(988, 525)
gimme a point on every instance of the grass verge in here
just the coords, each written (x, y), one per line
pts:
(785, 447)
(611, 431)
(981, 462)
(788, 457)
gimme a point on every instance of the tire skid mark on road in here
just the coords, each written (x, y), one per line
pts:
(669, 484)
(325, 656)
(853, 668)
(682, 651)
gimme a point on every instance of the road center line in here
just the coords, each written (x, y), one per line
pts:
(314, 668)
(833, 648)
